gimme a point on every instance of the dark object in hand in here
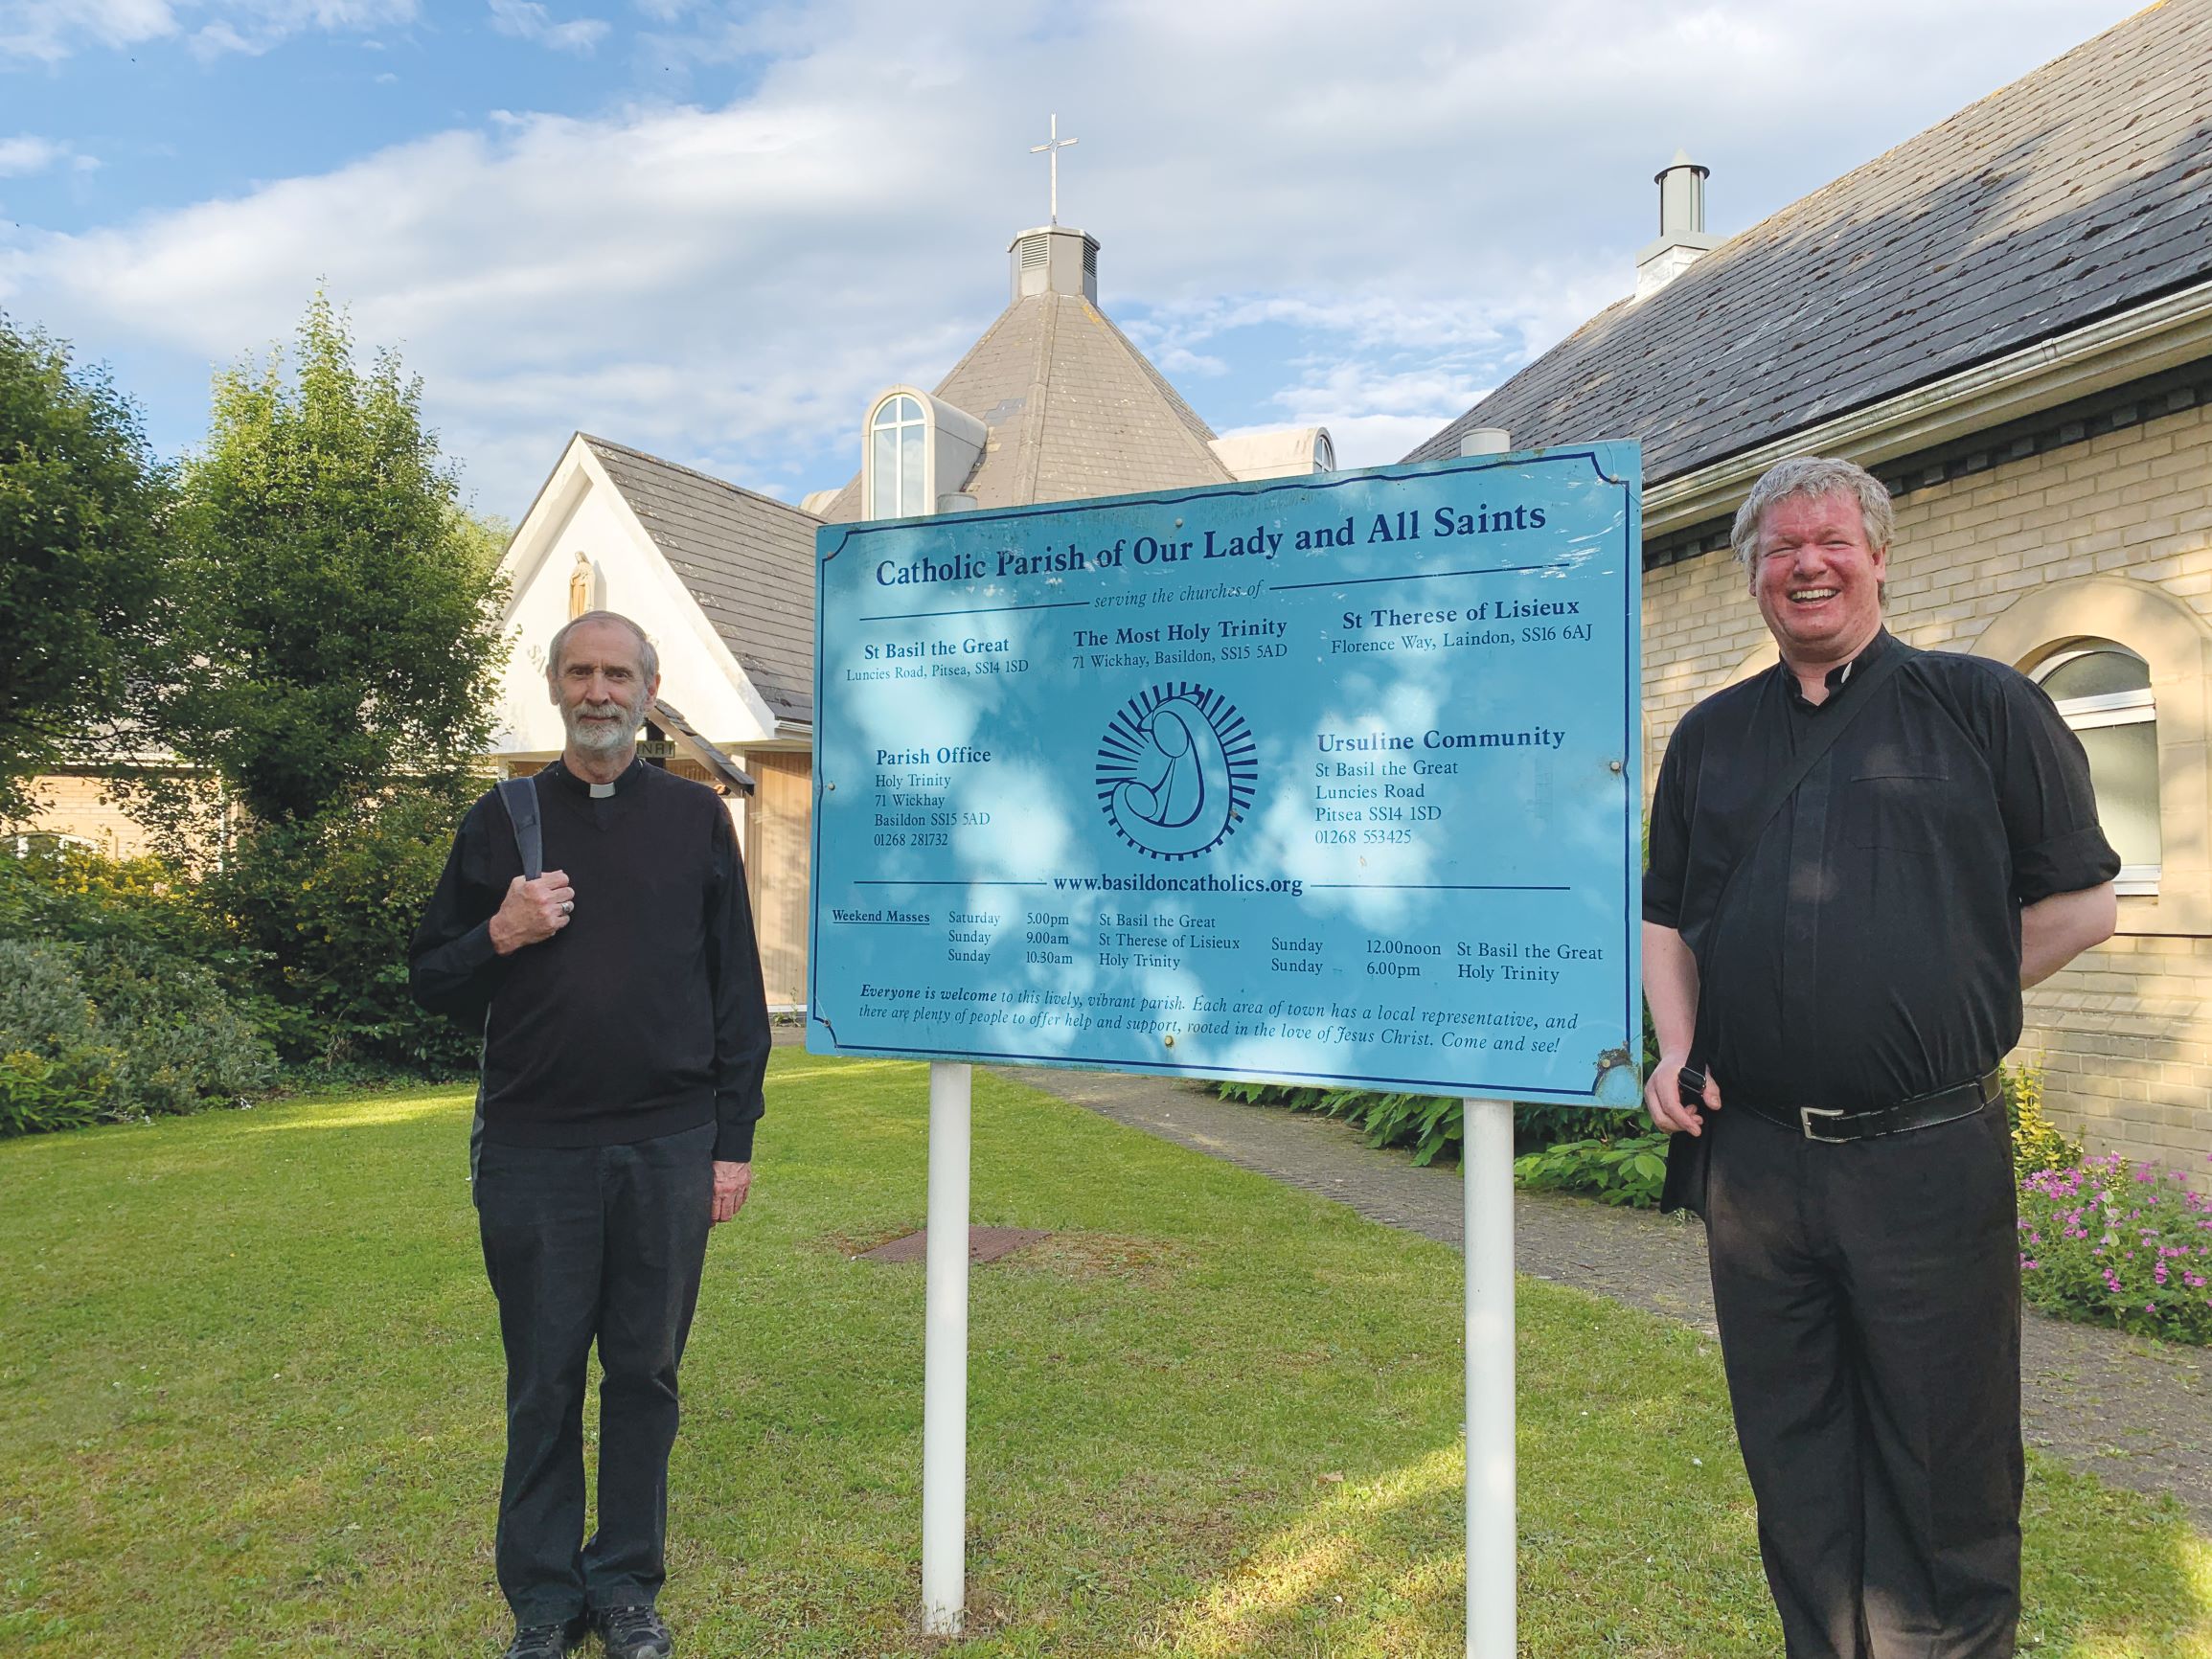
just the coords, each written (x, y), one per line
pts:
(1690, 1086)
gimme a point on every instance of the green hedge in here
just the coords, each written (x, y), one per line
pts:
(114, 1030)
(323, 909)
(132, 991)
(65, 892)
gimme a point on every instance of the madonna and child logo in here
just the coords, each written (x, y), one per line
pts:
(1175, 770)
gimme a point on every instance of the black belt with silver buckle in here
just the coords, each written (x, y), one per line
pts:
(1832, 1126)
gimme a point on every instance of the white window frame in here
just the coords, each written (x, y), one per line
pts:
(2112, 709)
(901, 425)
(20, 844)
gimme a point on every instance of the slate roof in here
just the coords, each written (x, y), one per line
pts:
(690, 741)
(748, 561)
(1074, 410)
(2079, 191)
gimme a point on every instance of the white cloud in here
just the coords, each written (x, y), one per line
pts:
(1362, 226)
(49, 30)
(528, 20)
(25, 156)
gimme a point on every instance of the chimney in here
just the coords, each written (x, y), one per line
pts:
(1682, 239)
(1055, 260)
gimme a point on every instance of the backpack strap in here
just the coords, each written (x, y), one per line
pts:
(520, 796)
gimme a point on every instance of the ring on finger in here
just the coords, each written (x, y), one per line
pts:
(567, 906)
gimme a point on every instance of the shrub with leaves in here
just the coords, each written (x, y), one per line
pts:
(68, 892)
(56, 1070)
(2038, 1144)
(1427, 1123)
(117, 1030)
(1623, 1169)
(182, 1045)
(326, 907)
(2118, 1245)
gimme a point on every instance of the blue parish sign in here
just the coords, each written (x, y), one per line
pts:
(1331, 780)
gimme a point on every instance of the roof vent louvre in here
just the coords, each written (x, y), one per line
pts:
(1055, 260)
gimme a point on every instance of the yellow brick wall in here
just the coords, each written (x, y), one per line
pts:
(2124, 1033)
(69, 804)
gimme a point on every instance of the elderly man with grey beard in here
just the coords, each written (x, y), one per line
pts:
(624, 1039)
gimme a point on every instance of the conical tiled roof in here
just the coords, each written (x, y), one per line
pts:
(1074, 410)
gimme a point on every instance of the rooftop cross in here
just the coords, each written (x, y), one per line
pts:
(1052, 152)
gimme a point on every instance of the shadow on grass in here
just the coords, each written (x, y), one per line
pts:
(1330, 1583)
(1359, 1575)
(2109, 1574)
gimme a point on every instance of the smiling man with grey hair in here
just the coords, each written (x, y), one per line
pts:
(624, 1039)
(1857, 859)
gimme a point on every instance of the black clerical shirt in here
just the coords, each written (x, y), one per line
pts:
(1870, 948)
(643, 1016)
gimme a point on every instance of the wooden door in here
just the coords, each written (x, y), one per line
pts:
(779, 854)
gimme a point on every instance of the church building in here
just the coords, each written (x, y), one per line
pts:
(2008, 319)
(1053, 403)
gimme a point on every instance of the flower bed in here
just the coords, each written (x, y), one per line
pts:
(2118, 1245)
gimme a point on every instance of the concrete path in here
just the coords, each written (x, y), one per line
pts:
(2134, 1413)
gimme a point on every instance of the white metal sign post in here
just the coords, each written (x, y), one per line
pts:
(1326, 780)
(1486, 1180)
(945, 1356)
(1486, 1173)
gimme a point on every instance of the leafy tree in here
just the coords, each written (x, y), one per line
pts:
(325, 907)
(338, 619)
(485, 536)
(80, 557)
(334, 601)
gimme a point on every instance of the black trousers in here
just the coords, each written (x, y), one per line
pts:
(1869, 1305)
(584, 1245)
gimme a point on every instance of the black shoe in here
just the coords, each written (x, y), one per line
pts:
(546, 1641)
(634, 1632)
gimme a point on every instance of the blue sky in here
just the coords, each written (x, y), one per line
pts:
(713, 232)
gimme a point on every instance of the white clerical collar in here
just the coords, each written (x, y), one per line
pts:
(601, 791)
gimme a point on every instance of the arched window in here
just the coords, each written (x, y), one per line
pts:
(899, 481)
(2103, 692)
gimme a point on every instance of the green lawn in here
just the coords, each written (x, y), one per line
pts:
(249, 1404)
